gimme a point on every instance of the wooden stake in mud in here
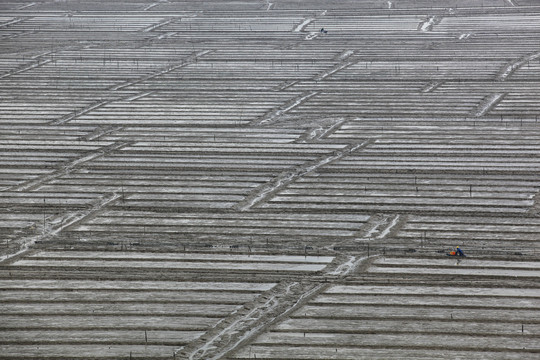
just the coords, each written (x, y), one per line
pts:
(145, 337)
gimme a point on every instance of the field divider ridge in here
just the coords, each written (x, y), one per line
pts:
(270, 308)
(66, 220)
(285, 178)
(66, 169)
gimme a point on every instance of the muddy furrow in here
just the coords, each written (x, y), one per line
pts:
(318, 133)
(247, 323)
(346, 59)
(432, 86)
(389, 228)
(263, 193)
(157, 26)
(488, 104)
(61, 222)
(100, 131)
(535, 208)
(26, 68)
(66, 169)
(270, 308)
(509, 69)
(12, 22)
(148, 7)
(285, 85)
(99, 104)
(275, 113)
(165, 70)
(83, 111)
(378, 227)
(302, 27)
(427, 25)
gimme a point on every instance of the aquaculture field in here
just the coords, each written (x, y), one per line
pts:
(269, 179)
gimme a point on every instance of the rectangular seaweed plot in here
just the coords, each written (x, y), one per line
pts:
(410, 321)
(145, 316)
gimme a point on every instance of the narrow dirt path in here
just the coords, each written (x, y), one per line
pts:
(264, 192)
(510, 68)
(276, 113)
(489, 103)
(59, 223)
(269, 308)
(68, 168)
